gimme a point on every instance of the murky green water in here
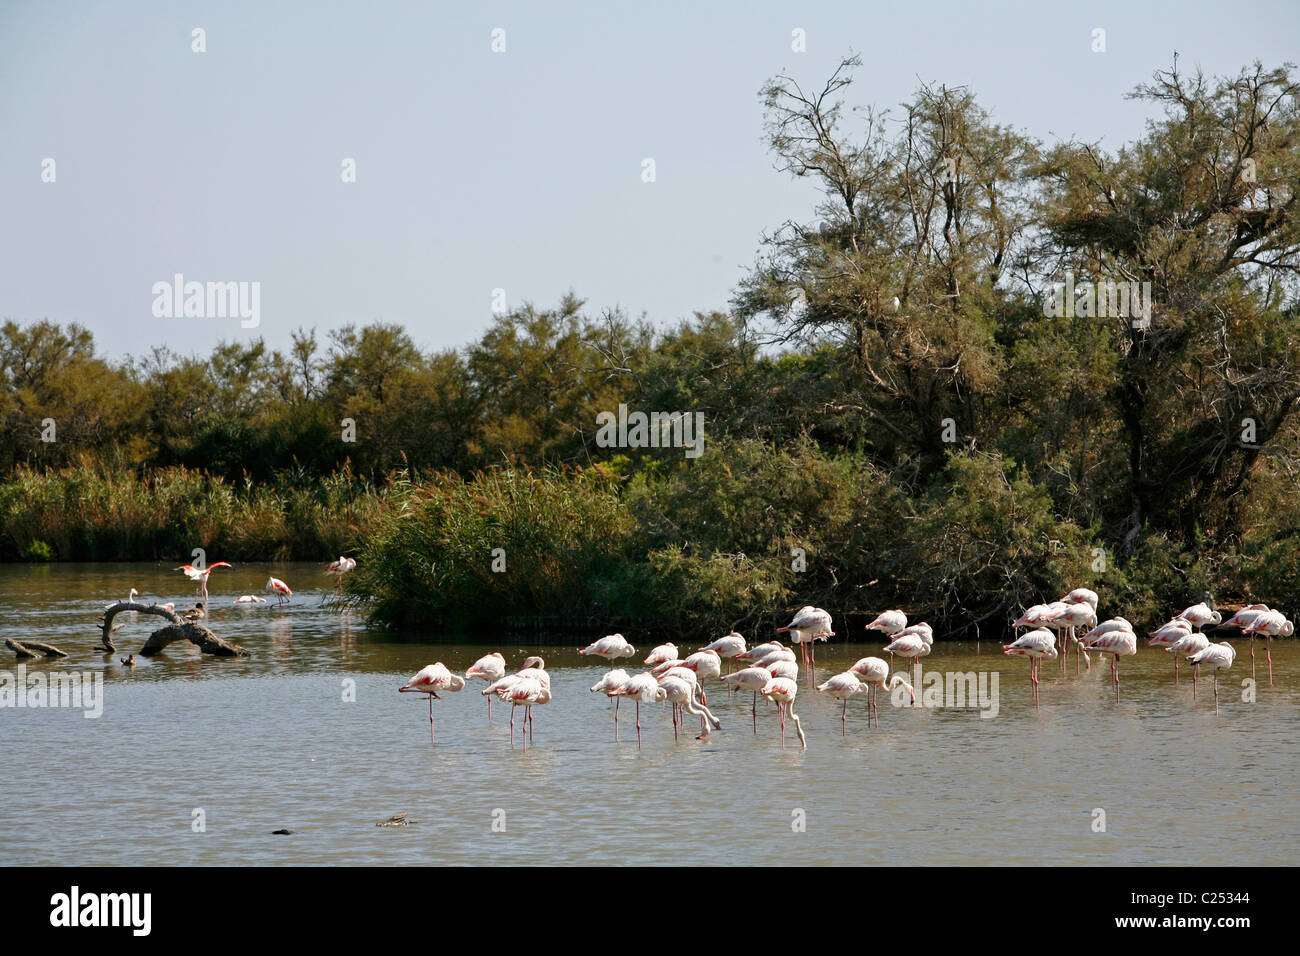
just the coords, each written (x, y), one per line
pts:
(270, 742)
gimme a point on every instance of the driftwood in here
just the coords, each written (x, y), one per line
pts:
(32, 648)
(178, 629)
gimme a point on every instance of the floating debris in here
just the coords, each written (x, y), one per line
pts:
(281, 832)
(396, 820)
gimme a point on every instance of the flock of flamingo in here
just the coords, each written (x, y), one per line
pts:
(771, 669)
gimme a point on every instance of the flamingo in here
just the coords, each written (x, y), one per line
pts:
(1271, 624)
(681, 693)
(664, 652)
(130, 599)
(1037, 644)
(1217, 657)
(250, 599)
(783, 669)
(1077, 613)
(910, 646)
(527, 686)
(201, 575)
(809, 624)
(1187, 645)
(1117, 644)
(704, 664)
(429, 681)
(490, 667)
(751, 679)
(782, 690)
(281, 590)
(842, 687)
(610, 647)
(1242, 620)
(642, 687)
(341, 567)
(1201, 614)
(1167, 635)
(611, 684)
(889, 623)
(873, 672)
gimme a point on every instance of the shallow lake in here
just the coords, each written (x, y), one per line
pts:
(248, 746)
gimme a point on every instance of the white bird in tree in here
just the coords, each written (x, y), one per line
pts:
(1217, 657)
(490, 667)
(752, 679)
(874, 672)
(1271, 624)
(1192, 642)
(842, 687)
(611, 684)
(642, 687)
(1117, 644)
(782, 690)
(610, 648)
(429, 681)
(1038, 644)
(664, 652)
(810, 624)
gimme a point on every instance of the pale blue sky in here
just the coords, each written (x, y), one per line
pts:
(478, 170)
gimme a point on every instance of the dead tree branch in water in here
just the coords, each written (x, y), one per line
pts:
(178, 629)
(32, 648)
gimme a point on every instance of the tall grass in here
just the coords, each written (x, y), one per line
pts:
(90, 513)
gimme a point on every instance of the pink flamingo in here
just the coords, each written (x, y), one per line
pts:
(1038, 644)
(281, 590)
(611, 647)
(681, 693)
(727, 648)
(642, 687)
(809, 624)
(1187, 645)
(429, 681)
(1271, 624)
(490, 667)
(782, 691)
(1167, 635)
(751, 679)
(341, 567)
(201, 575)
(874, 672)
(1216, 657)
(611, 684)
(1117, 644)
(664, 652)
(842, 687)
(524, 688)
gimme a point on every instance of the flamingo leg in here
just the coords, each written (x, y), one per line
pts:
(753, 711)
(638, 724)
(512, 728)
(430, 719)
(1175, 670)
(1194, 670)
(1268, 652)
(1216, 692)
(781, 710)
(1252, 658)
(616, 700)
(844, 719)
